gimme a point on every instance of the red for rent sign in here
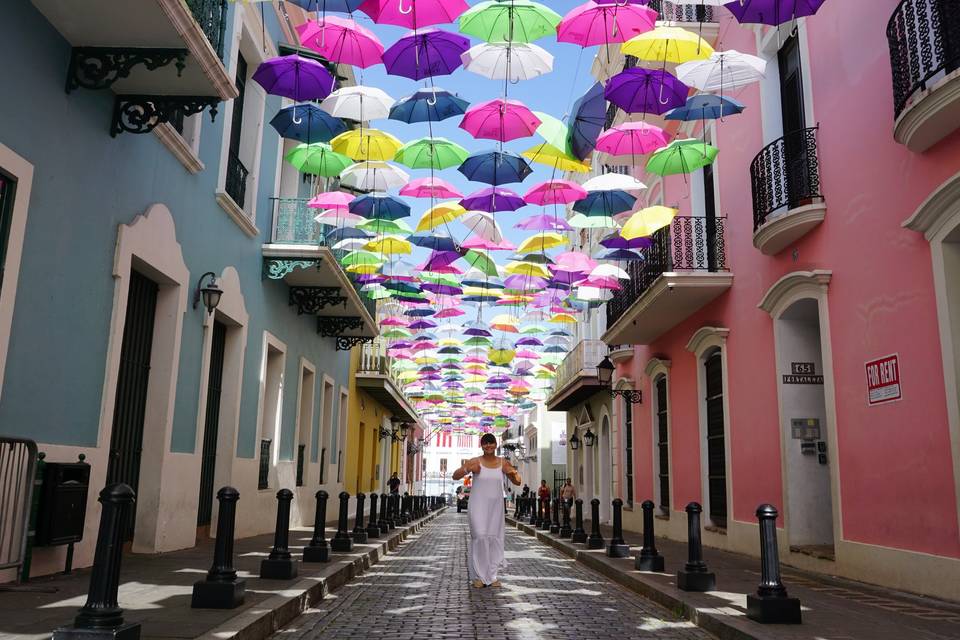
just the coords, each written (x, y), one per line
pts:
(883, 380)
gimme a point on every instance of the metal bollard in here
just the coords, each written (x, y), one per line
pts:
(516, 507)
(101, 616)
(359, 534)
(596, 539)
(395, 511)
(649, 559)
(545, 523)
(579, 535)
(280, 565)
(565, 530)
(373, 529)
(382, 522)
(221, 589)
(341, 542)
(534, 505)
(618, 548)
(318, 550)
(771, 605)
(695, 576)
(555, 520)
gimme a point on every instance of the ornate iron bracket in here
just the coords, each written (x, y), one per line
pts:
(312, 299)
(279, 268)
(345, 343)
(142, 113)
(632, 396)
(100, 67)
(334, 326)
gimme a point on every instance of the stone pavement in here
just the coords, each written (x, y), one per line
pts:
(422, 593)
(832, 608)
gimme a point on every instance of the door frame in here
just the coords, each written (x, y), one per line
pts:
(22, 171)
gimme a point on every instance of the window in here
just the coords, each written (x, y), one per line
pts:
(628, 440)
(716, 452)
(236, 182)
(326, 427)
(663, 447)
(271, 405)
(8, 187)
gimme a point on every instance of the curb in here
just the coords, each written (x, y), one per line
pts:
(260, 621)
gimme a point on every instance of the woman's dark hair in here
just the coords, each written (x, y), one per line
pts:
(488, 438)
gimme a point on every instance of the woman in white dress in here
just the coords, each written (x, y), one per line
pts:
(485, 551)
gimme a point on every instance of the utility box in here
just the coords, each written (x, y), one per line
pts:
(63, 503)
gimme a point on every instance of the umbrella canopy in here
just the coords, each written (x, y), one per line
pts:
(379, 207)
(307, 123)
(587, 120)
(389, 245)
(413, 14)
(428, 105)
(318, 158)
(500, 119)
(431, 153)
(294, 77)
(366, 144)
(373, 176)
(322, 6)
(555, 192)
(542, 242)
(646, 221)
(336, 200)
(593, 23)
(484, 225)
(646, 90)
(493, 199)
(440, 214)
(433, 241)
(424, 54)
(610, 181)
(722, 71)
(515, 21)
(341, 40)
(551, 156)
(705, 107)
(605, 203)
(430, 188)
(632, 138)
(507, 61)
(543, 223)
(772, 12)
(495, 167)
(668, 44)
(358, 103)
(681, 156)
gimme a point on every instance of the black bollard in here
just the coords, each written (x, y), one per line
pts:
(405, 509)
(341, 542)
(516, 507)
(538, 521)
(394, 517)
(534, 506)
(771, 605)
(649, 558)
(221, 589)
(555, 520)
(618, 548)
(318, 550)
(280, 565)
(565, 530)
(579, 535)
(694, 576)
(359, 534)
(596, 540)
(382, 522)
(373, 529)
(545, 522)
(101, 616)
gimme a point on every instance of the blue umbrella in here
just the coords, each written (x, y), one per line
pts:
(307, 123)
(345, 233)
(437, 243)
(621, 254)
(340, 6)
(495, 167)
(705, 107)
(379, 206)
(428, 105)
(587, 120)
(605, 203)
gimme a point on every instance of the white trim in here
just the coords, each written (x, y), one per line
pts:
(605, 463)
(782, 229)
(305, 437)
(792, 287)
(179, 147)
(270, 341)
(323, 439)
(656, 364)
(705, 337)
(936, 215)
(226, 202)
(199, 45)
(342, 426)
(655, 369)
(22, 171)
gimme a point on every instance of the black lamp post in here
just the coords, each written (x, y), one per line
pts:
(574, 441)
(589, 438)
(605, 376)
(210, 292)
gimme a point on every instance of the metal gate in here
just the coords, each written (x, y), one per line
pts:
(18, 459)
(126, 439)
(716, 454)
(211, 424)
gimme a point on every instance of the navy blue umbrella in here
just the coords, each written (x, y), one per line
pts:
(341, 6)
(307, 123)
(380, 207)
(605, 203)
(620, 254)
(587, 120)
(345, 233)
(705, 107)
(437, 243)
(428, 105)
(495, 167)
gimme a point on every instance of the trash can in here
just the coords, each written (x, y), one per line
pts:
(63, 503)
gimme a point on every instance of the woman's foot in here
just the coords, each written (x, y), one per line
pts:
(495, 583)
(477, 584)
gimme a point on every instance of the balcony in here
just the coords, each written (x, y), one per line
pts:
(577, 376)
(683, 271)
(785, 178)
(924, 40)
(160, 57)
(375, 376)
(297, 255)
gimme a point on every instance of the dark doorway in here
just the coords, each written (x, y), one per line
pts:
(795, 146)
(663, 445)
(211, 424)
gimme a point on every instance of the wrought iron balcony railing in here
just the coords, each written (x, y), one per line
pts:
(786, 173)
(689, 244)
(293, 222)
(236, 180)
(924, 39)
(682, 11)
(211, 15)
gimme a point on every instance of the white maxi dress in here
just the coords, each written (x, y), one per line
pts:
(485, 551)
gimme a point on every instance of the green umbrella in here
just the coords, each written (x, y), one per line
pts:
(479, 340)
(513, 21)
(553, 131)
(681, 156)
(361, 257)
(380, 225)
(318, 158)
(580, 221)
(431, 153)
(482, 261)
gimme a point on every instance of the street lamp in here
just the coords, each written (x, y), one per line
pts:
(605, 376)
(574, 441)
(210, 293)
(589, 438)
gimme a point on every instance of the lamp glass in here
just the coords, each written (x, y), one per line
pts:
(605, 371)
(589, 437)
(574, 442)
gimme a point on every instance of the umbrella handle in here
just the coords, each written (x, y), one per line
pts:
(433, 101)
(401, 9)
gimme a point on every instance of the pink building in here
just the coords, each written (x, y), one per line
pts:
(795, 333)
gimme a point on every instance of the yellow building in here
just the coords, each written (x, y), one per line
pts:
(378, 418)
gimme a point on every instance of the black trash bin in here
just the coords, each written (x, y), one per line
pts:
(63, 505)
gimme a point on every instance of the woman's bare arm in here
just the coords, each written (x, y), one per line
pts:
(511, 473)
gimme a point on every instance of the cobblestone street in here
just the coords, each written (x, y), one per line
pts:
(422, 592)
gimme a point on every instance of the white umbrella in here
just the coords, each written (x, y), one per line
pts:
(500, 61)
(358, 103)
(373, 176)
(351, 244)
(609, 271)
(612, 181)
(483, 224)
(337, 218)
(722, 71)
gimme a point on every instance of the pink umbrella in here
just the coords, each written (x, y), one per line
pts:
(414, 14)
(555, 192)
(632, 138)
(339, 218)
(543, 223)
(342, 40)
(338, 200)
(449, 313)
(593, 23)
(477, 242)
(430, 188)
(393, 321)
(500, 119)
(574, 261)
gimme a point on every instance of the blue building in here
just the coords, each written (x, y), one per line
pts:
(135, 158)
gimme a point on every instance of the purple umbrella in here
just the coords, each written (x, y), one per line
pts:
(543, 222)
(525, 283)
(646, 90)
(772, 12)
(426, 53)
(493, 199)
(294, 77)
(528, 341)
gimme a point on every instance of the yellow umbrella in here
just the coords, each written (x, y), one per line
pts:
(366, 144)
(563, 318)
(644, 222)
(553, 157)
(481, 291)
(527, 269)
(501, 356)
(408, 375)
(516, 299)
(667, 44)
(389, 245)
(365, 269)
(450, 342)
(440, 214)
(542, 242)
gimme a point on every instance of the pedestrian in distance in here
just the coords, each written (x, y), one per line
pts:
(544, 491)
(485, 551)
(394, 483)
(568, 492)
(525, 493)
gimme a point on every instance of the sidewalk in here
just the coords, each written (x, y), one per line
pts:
(832, 608)
(155, 590)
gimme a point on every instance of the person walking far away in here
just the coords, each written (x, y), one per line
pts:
(568, 492)
(544, 491)
(485, 551)
(526, 492)
(394, 483)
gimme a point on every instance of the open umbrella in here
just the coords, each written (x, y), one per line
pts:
(495, 167)
(587, 120)
(513, 21)
(493, 199)
(542, 242)
(632, 138)
(594, 23)
(507, 61)
(424, 54)
(307, 123)
(341, 40)
(681, 156)
(605, 203)
(366, 144)
(294, 77)
(554, 192)
(317, 158)
(772, 12)
(667, 44)
(373, 176)
(336, 200)
(639, 90)
(558, 159)
(484, 225)
(646, 221)
(722, 71)
(413, 14)
(705, 107)
(435, 188)
(323, 6)
(543, 223)
(440, 214)
(379, 207)
(428, 105)
(500, 119)
(608, 181)
(358, 103)
(431, 153)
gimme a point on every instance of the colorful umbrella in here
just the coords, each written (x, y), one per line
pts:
(294, 77)
(424, 54)
(542, 242)
(638, 90)
(667, 44)
(307, 123)
(555, 192)
(428, 105)
(484, 225)
(431, 153)
(605, 203)
(430, 188)
(632, 138)
(772, 12)
(514, 21)
(722, 71)
(551, 156)
(358, 103)
(593, 23)
(366, 144)
(440, 214)
(610, 181)
(495, 167)
(341, 40)
(379, 207)
(336, 200)
(646, 221)
(500, 119)
(413, 14)
(543, 223)
(507, 61)
(389, 245)
(493, 199)
(705, 107)
(681, 156)
(322, 6)
(317, 158)
(373, 176)
(587, 119)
